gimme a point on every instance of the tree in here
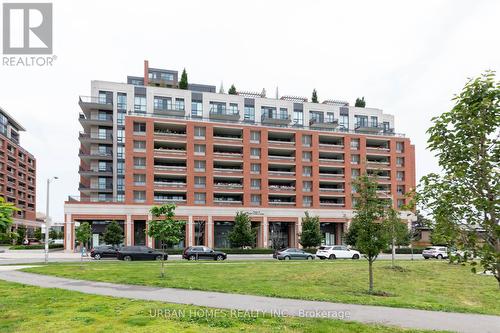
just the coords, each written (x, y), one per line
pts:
(165, 228)
(360, 102)
(242, 234)
(397, 231)
(232, 90)
(38, 234)
(311, 233)
(53, 234)
(314, 97)
(83, 233)
(367, 232)
(7, 210)
(464, 201)
(21, 234)
(183, 83)
(113, 234)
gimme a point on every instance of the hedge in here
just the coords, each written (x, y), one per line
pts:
(36, 247)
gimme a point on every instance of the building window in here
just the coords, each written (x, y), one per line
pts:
(306, 156)
(307, 171)
(298, 118)
(400, 189)
(199, 132)
(255, 152)
(122, 101)
(199, 182)
(373, 121)
(140, 179)
(120, 152)
(196, 109)
(255, 168)
(307, 201)
(387, 126)
(355, 159)
(255, 184)
(400, 147)
(355, 144)
(139, 196)
(140, 104)
(179, 104)
(255, 199)
(400, 175)
(120, 168)
(139, 146)
(139, 163)
(162, 103)
(361, 121)
(400, 161)
(249, 113)
(255, 136)
(120, 119)
(199, 150)
(199, 198)
(139, 128)
(316, 117)
(344, 122)
(330, 117)
(120, 135)
(307, 186)
(400, 203)
(306, 140)
(199, 166)
(355, 173)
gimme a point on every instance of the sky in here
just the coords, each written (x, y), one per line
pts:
(408, 58)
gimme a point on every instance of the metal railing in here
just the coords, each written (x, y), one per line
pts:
(95, 100)
(291, 126)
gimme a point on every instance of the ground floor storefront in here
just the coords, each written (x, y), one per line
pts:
(209, 226)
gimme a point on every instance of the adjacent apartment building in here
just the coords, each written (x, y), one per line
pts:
(147, 142)
(17, 173)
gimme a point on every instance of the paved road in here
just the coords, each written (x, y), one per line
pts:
(408, 318)
(10, 257)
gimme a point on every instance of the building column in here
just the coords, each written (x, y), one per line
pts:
(190, 231)
(128, 230)
(149, 239)
(265, 232)
(298, 231)
(68, 234)
(210, 232)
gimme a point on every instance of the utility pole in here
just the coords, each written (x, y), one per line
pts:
(47, 220)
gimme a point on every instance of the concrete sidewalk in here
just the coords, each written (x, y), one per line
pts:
(409, 318)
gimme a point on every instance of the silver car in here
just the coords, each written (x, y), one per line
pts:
(438, 252)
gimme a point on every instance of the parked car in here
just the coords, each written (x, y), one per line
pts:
(337, 252)
(103, 251)
(438, 252)
(292, 253)
(202, 252)
(128, 253)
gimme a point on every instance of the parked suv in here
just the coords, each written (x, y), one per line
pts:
(438, 252)
(202, 252)
(337, 252)
(103, 251)
(129, 253)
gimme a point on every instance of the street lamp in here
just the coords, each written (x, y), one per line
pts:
(47, 220)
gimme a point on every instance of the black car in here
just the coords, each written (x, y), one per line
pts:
(128, 253)
(103, 251)
(203, 252)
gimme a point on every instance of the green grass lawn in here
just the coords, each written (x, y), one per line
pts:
(431, 285)
(33, 309)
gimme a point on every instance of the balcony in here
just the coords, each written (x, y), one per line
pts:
(222, 113)
(275, 202)
(169, 151)
(323, 124)
(281, 188)
(280, 173)
(95, 155)
(100, 119)
(228, 186)
(93, 188)
(331, 175)
(276, 119)
(369, 128)
(327, 203)
(223, 201)
(88, 103)
(171, 110)
(332, 189)
(104, 172)
(104, 138)
(169, 199)
(228, 170)
(170, 168)
(170, 184)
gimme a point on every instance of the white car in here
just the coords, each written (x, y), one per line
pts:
(438, 252)
(337, 252)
